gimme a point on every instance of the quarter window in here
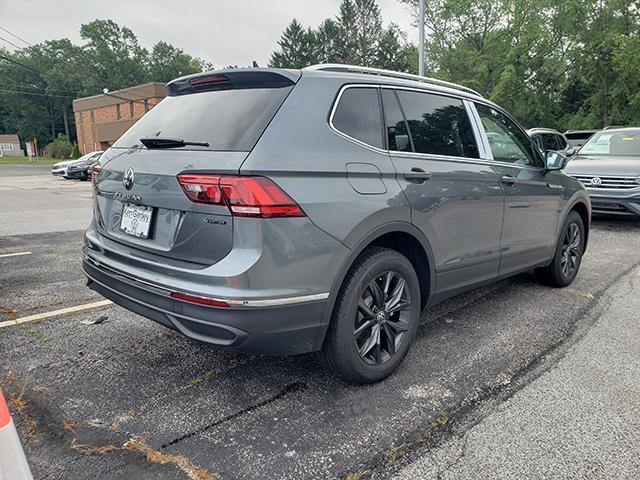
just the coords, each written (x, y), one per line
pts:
(507, 141)
(358, 115)
(438, 125)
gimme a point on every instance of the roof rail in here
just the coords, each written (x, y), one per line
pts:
(338, 67)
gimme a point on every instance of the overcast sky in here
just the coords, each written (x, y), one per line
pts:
(225, 32)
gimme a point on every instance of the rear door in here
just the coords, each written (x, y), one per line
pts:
(455, 195)
(532, 198)
(140, 204)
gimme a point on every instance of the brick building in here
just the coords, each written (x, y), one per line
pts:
(101, 119)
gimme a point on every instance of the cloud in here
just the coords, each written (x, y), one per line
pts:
(225, 32)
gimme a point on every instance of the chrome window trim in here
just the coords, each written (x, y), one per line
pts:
(233, 303)
(424, 156)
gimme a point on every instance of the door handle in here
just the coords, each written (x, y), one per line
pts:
(508, 179)
(417, 175)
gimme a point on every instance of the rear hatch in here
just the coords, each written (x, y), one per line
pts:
(208, 123)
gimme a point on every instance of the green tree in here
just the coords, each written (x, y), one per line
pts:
(360, 26)
(167, 62)
(297, 47)
(61, 147)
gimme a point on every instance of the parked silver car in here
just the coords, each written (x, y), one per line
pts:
(548, 139)
(609, 167)
(289, 211)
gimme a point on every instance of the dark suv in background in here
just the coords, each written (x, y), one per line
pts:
(289, 211)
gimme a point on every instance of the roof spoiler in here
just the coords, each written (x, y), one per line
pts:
(241, 78)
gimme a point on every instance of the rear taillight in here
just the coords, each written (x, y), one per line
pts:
(244, 196)
(95, 171)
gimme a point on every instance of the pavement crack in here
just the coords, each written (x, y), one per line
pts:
(289, 389)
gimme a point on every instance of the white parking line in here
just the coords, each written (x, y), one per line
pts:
(4, 255)
(55, 313)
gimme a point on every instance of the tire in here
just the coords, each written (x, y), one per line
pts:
(568, 255)
(367, 356)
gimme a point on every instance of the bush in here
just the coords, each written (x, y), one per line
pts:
(76, 151)
(60, 148)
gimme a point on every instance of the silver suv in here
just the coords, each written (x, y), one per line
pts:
(289, 211)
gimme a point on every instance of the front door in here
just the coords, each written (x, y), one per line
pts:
(455, 196)
(532, 200)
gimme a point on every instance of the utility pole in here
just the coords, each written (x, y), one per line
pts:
(421, 39)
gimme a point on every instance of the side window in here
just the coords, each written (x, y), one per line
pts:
(507, 141)
(397, 131)
(549, 142)
(358, 115)
(438, 125)
(562, 143)
(537, 139)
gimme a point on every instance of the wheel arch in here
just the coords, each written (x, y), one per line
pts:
(583, 210)
(402, 237)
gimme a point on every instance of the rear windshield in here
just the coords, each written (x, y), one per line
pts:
(230, 120)
(610, 143)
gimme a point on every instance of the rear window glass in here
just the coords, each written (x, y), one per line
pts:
(438, 125)
(230, 120)
(358, 115)
(608, 143)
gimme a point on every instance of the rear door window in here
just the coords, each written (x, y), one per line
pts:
(562, 143)
(438, 125)
(397, 132)
(230, 120)
(358, 115)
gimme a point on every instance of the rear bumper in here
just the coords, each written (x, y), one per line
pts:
(278, 329)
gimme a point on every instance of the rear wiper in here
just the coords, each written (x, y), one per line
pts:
(156, 142)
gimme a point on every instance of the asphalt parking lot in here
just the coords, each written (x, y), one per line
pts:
(126, 398)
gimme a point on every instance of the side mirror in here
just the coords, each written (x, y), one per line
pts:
(555, 160)
(571, 151)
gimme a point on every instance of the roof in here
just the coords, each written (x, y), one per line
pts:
(532, 131)
(382, 77)
(135, 93)
(9, 138)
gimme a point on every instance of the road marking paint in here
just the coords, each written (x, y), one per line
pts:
(17, 254)
(55, 313)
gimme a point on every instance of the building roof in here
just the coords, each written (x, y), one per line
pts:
(135, 93)
(9, 138)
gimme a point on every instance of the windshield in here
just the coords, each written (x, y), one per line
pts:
(622, 143)
(230, 120)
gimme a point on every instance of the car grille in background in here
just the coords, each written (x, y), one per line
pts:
(608, 207)
(620, 183)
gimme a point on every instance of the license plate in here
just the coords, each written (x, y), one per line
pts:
(136, 220)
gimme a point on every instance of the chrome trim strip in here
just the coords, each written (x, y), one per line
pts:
(232, 302)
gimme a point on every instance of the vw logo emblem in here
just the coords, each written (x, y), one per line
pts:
(127, 178)
(596, 181)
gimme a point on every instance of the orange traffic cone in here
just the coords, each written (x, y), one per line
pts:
(13, 463)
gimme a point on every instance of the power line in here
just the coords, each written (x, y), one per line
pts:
(22, 92)
(11, 43)
(21, 64)
(14, 35)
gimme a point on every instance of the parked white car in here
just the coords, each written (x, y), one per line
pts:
(61, 169)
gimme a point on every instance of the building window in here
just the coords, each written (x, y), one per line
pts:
(6, 146)
(118, 113)
(146, 105)
(132, 111)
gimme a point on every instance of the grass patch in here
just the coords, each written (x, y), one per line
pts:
(25, 160)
